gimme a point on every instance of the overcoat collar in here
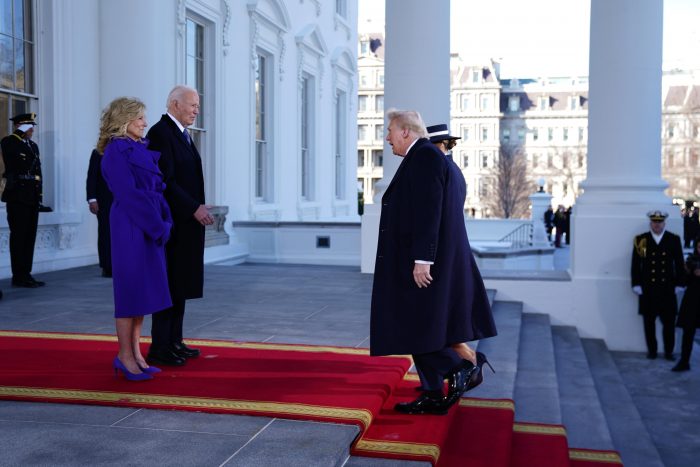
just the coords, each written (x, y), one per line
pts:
(179, 135)
(416, 146)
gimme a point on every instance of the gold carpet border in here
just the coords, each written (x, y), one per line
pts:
(195, 342)
(552, 430)
(607, 457)
(394, 447)
(411, 377)
(336, 413)
(488, 404)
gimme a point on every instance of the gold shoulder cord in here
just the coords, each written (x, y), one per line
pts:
(640, 245)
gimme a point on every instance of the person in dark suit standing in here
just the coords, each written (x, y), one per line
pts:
(658, 273)
(428, 293)
(23, 196)
(99, 200)
(689, 315)
(182, 173)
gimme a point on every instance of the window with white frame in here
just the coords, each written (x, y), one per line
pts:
(464, 102)
(17, 43)
(362, 133)
(379, 103)
(521, 134)
(543, 102)
(476, 76)
(550, 134)
(340, 143)
(262, 109)
(362, 103)
(380, 78)
(465, 133)
(377, 158)
(363, 80)
(379, 132)
(485, 102)
(307, 137)
(580, 134)
(573, 102)
(565, 134)
(535, 134)
(506, 135)
(484, 133)
(364, 47)
(194, 75)
(465, 159)
(360, 158)
(484, 159)
(341, 8)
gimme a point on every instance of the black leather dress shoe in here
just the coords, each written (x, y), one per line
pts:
(651, 355)
(681, 366)
(185, 352)
(165, 357)
(38, 283)
(669, 357)
(425, 404)
(26, 283)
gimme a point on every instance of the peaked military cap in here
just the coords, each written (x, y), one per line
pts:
(19, 119)
(657, 216)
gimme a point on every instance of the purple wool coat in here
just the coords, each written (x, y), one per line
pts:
(140, 223)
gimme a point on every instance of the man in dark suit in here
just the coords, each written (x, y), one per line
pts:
(182, 173)
(428, 294)
(23, 196)
(657, 275)
(99, 200)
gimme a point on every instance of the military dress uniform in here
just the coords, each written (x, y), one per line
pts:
(658, 269)
(22, 195)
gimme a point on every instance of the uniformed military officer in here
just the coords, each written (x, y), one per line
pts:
(23, 197)
(657, 275)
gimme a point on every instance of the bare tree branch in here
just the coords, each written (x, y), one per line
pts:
(509, 186)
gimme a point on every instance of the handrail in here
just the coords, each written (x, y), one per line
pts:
(520, 237)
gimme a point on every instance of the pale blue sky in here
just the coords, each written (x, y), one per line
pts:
(545, 37)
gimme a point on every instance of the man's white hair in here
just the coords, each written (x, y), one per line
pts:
(178, 93)
(409, 120)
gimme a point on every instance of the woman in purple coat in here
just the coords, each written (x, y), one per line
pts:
(140, 223)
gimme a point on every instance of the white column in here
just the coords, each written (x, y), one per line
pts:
(624, 167)
(416, 77)
(138, 51)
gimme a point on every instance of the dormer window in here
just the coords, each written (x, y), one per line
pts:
(573, 102)
(364, 47)
(476, 76)
(514, 103)
(543, 102)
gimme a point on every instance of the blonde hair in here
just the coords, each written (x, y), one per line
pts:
(408, 120)
(116, 117)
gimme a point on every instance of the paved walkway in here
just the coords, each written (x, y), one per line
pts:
(265, 303)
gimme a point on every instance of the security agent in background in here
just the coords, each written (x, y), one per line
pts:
(657, 275)
(22, 194)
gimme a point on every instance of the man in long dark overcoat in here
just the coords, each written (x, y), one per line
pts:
(658, 273)
(100, 199)
(181, 166)
(428, 293)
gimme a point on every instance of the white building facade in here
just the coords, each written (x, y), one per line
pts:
(277, 127)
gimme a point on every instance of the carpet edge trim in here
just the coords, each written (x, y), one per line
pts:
(539, 429)
(56, 395)
(607, 457)
(399, 448)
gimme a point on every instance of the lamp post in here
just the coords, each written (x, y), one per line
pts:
(540, 202)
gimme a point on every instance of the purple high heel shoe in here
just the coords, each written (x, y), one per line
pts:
(118, 365)
(151, 370)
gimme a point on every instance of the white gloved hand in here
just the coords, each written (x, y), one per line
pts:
(637, 289)
(680, 289)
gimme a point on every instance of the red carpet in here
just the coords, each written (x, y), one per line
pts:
(330, 384)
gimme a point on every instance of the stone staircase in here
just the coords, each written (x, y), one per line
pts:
(555, 377)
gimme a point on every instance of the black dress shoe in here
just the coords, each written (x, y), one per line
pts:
(425, 404)
(651, 355)
(106, 272)
(681, 366)
(185, 352)
(669, 357)
(165, 357)
(0, 294)
(38, 283)
(26, 283)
